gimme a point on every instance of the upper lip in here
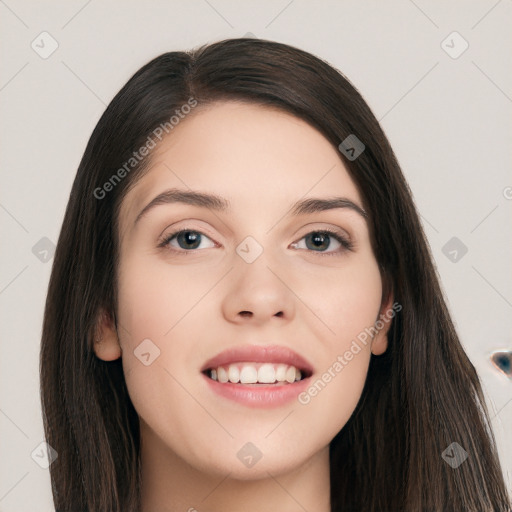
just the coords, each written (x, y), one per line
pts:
(259, 354)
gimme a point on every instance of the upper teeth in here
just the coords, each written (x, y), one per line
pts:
(252, 373)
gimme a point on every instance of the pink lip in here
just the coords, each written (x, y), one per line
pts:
(259, 354)
(259, 395)
(263, 396)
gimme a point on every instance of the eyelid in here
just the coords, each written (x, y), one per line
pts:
(164, 240)
(319, 227)
(202, 230)
(340, 235)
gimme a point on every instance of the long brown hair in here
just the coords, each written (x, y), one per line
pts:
(421, 395)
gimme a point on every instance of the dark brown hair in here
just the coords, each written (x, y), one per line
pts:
(421, 395)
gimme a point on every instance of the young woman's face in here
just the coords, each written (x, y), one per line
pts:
(254, 274)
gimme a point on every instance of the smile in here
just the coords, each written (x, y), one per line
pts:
(256, 373)
(258, 376)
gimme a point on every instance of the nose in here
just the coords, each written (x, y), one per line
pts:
(258, 294)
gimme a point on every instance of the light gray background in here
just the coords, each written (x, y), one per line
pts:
(449, 121)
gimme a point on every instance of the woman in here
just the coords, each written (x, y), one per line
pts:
(243, 312)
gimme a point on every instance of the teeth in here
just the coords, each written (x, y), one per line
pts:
(281, 372)
(233, 374)
(248, 375)
(252, 373)
(290, 374)
(222, 375)
(267, 374)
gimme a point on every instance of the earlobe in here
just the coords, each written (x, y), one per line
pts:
(379, 344)
(383, 324)
(106, 342)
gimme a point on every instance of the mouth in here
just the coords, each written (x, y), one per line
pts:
(257, 376)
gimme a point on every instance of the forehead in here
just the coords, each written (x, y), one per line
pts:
(249, 154)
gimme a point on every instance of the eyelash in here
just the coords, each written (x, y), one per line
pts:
(347, 245)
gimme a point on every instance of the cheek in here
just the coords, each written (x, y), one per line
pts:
(333, 395)
(348, 305)
(158, 308)
(154, 296)
(345, 300)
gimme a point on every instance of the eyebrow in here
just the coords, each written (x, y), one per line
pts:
(219, 204)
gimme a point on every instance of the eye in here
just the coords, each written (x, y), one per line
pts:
(322, 239)
(187, 239)
(190, 239)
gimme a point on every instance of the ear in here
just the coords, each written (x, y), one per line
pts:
(106, 342)
(382, 324)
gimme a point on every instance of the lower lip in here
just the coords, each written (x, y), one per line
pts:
(259, 396)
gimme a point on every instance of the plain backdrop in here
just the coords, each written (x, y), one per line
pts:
(443, 99)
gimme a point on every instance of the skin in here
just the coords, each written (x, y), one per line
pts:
(190, 306)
